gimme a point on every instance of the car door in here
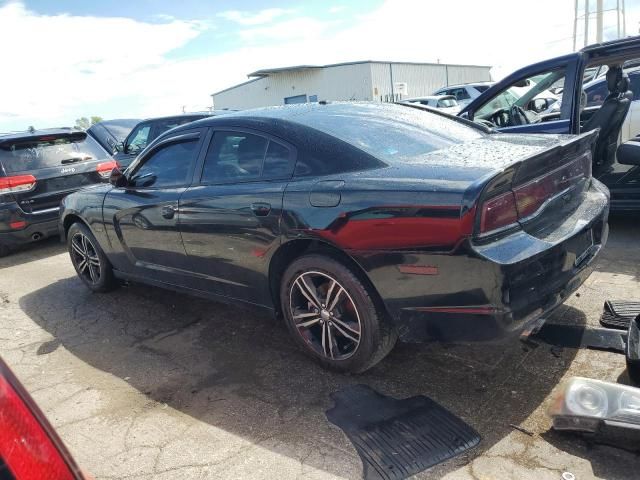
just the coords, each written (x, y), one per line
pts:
(142, 217)
(230, 221)
(521, 90)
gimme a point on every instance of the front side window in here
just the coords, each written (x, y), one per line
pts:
(168, 166)
(461, 94)
(522, 94)
(138, 139)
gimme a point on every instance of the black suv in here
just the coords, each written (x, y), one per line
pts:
(148, 130)
(38, 168)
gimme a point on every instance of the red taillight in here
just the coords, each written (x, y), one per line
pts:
(498, 212)
(17, 225)
(104, 169)
(17, 184)
(532, 195)
(26, 447)
(525, 200)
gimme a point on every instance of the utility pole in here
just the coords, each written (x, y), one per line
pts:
(586, 22)
(599, 21)
(575, 24)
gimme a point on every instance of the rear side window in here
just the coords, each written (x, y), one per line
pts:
(241, 157)
(481, 88)
(46, 152)
(596, 94)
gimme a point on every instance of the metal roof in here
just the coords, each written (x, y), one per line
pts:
(269, 71)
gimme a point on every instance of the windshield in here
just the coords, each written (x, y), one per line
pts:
(26, 155)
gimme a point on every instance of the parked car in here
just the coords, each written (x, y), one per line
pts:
(29, 446)
(358, 223)
(148, 130)
(37, 169)
(464, 93)
(445, 103)
(496, 109)
(111, 133)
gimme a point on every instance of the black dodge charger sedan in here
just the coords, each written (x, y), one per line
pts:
(358, 223)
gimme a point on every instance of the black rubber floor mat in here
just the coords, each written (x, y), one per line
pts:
(398, 438)
(572, 336)
(618, 313)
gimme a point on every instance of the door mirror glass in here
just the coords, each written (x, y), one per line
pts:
(117, 178)
(539, 105)
(119, 147)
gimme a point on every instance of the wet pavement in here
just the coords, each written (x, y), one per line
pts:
(145, 383)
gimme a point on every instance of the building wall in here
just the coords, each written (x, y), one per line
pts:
(358, 82)
(421, 80)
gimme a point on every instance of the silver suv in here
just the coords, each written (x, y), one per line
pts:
(464, 93)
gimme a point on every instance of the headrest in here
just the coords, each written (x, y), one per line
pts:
(617, 80)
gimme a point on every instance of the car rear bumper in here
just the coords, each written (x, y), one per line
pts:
(488, 292)
(18, 227)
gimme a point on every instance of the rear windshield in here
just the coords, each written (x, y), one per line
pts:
(388, 132)
(25, 155)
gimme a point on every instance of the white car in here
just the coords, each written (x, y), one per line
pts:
(596, 91)
(445, 103)
(464, 93)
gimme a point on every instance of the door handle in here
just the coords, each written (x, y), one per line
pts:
(261, 209)
(168, 211)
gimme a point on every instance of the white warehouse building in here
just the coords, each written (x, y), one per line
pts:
(353, 81)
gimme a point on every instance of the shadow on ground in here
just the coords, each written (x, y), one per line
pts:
(32, 252)
(239, 371)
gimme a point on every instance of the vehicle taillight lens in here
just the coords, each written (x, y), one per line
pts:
(104, 169)
(17, 184)
(532, 195)
(498, 212)
(26, 448)
(525, 200)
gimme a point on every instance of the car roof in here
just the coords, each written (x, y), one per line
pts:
(12, 136)
(428, 97)
(286, 118)
(470, 84)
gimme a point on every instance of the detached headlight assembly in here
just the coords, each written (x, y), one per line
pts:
(606, 412)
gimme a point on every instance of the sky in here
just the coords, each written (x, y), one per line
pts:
(134, 59)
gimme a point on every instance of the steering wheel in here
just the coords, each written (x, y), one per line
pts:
(500, 118)
(517, 116)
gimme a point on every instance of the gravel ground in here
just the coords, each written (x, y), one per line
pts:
(144, 383)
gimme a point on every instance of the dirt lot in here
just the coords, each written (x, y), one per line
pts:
(145, 383)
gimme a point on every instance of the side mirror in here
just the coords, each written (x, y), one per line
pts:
(522, 83)
(629, 153)
(119, 147)
(117, 178)
(539, 105)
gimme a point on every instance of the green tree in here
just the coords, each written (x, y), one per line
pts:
(84, 122)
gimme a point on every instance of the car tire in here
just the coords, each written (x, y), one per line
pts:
(339, 324)
(88, 259)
